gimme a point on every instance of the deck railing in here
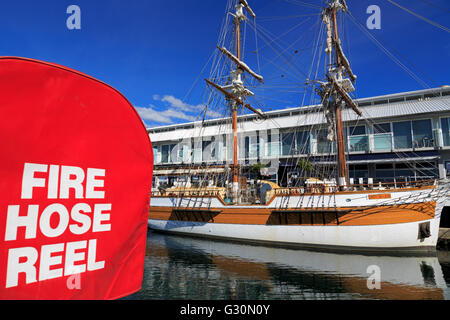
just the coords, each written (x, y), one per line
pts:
(323, 188)
(313, 189)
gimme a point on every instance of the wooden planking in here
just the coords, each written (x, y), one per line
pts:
(264, 216)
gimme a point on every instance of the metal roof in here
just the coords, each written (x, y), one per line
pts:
(401, 109)
(297, 117)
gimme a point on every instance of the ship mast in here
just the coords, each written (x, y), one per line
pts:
(235, 93)
(334, 93)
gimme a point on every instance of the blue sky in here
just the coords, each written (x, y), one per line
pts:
(153, 51)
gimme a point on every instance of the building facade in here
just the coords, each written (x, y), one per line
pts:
(405, 136)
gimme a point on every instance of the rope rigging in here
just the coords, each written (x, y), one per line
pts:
(296, 143)
(437, 25)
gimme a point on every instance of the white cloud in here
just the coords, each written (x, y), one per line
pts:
(171, 110)
(177, 103)
(178, 115)
(151, 115)
(213, 114)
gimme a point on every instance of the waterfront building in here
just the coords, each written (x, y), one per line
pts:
(406, 138)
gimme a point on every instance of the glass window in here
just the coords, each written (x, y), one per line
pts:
(253, 147)
(381, 128)
(385, 166)
(402, 135)
(445, 131)
(382, 142)
(185, 153)
(206, 150)
(382, 138)
(404, 173)
(171, 153)
(213, 151)
(303, 142)
(422, 134)
(426, 174)
(155, 154)
(209, 150)
(447, 168)
(165, 153)
(358, 171)
(247, 147)
(357, 131)
(427, 170)
(196, 150)
(404, 170)
(385, 172)
(260, 146)
(273, 145)
(287, 143)
(323, 145)
(359, 143)
(403, 166)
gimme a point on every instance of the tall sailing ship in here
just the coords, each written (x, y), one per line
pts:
(326, 208)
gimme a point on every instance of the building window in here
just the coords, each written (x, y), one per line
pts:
(247, 148)
(213, 148)
(273, 145)
(402, 172)
(208, 150)
(358, 139)
(303, 142)
(287, 143)
(398, 171)
(385, 172)
(155, 155)
(445, 125)
(382, 128)
(357, 131)
(402, 135)
(358, 171)
(382, 137)
(324, 146)
(427, 170)
(422, 134)
(447, 168)
(166, 151)
(196, 150)
(253, 147)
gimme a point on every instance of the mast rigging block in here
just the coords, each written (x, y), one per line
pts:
(249, 10)
(344, 95)
(231, 96)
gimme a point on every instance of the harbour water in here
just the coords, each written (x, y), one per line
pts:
(185, 268)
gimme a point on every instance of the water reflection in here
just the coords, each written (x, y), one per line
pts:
(189, 268)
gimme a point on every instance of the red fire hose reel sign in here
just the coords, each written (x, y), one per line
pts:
(75, 180)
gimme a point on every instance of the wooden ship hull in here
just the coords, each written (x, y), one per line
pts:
(369, 220)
